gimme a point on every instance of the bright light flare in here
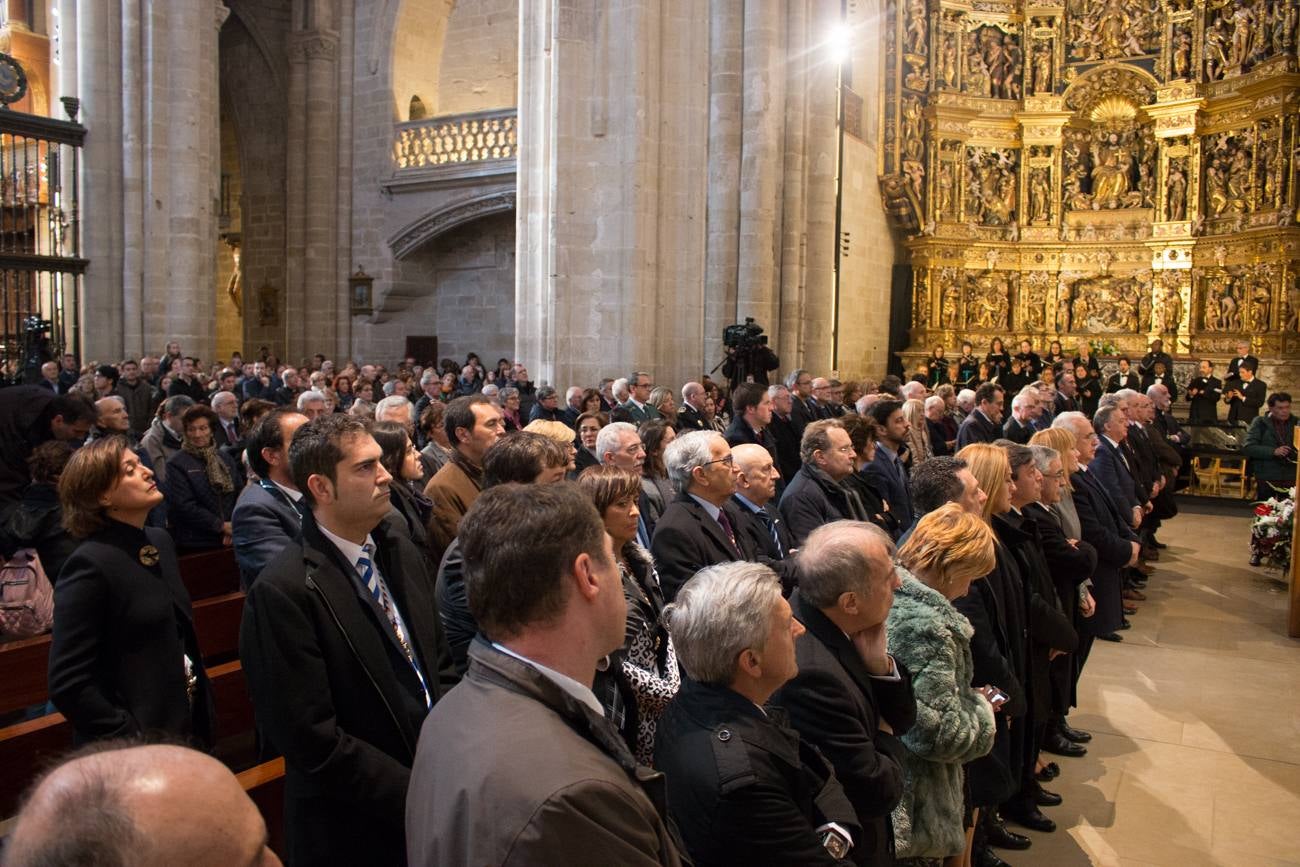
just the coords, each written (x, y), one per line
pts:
(838, 42)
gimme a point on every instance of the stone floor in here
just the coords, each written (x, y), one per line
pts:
(1195, 757)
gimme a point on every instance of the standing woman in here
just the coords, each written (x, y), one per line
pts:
(918, 432)
(656, 435)
(998, 360)
(343, 392)
(402, 460)
(510, 403)
(936, 369)
(124, 659)
(949, 549)
(968, 367)
(647, 664)
(202, 485)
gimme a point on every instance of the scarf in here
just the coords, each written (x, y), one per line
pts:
(217, 471)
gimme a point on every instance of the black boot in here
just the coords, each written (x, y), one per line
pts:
(996, 833)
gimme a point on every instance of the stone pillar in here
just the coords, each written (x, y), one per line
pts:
(726, 64)
(610, 235)
(761, 162)
(788, 339)
(319, 325)
(99, 85)
(819, 159)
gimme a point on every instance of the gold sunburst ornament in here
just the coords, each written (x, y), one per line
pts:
(1113, 109)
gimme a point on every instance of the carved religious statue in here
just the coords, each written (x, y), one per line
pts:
(916, 27)
(1216, 50)
(1182, 51)
(913, 131)
(1292, 322)
(1039, 196)
(948, 60)
(1176, 192)
(1043, 67)
(1110, 175)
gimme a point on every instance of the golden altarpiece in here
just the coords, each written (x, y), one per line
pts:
(1106, 170)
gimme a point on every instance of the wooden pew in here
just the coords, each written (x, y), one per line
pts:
(210, 573)
(265, 785)
(27, 747)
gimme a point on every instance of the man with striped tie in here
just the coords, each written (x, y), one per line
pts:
(344, 653)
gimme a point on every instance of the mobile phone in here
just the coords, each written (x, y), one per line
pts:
(998, 697)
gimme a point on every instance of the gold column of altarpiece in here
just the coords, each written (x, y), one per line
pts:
(1114, 170)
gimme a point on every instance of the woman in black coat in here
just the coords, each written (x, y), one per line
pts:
(402, 460)
(875, 508)
(124, 659)
(202, 485)
(998, 359)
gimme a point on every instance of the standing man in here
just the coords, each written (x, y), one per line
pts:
(50, 377)
(572, 406)
(1243, 357)
(803, 409)
(1244, 395)
(785, 434)
(1270, 445)
(344, 654)
(69, 372)
(984, 423)
(187, 383)
(138, 395)
(1203, 394)
(815, 496)
(751, 414)
(1157, 355)
(1124, 378)
(1024, 409)
(887, 468)
(639, 386)
(691, 416)
(850, 698)
(1066, 391)
(518, 764)
(473, 424)
(762, 530)
(228, 433)
(268, 514)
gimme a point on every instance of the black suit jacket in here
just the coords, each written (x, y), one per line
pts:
(836, 705)
(1016, 432)
(1253, 395)
(738, 433)
(334, 692)
(1110, 469)
(785, 435)
(1118, 381)
(121, 632)
(264, 522)
(221, 438)
(754, 795)
(811, 500)
(1205, 403)
(757, 541)
(1103, 525)
(1235, 365)
(687, 538)
(689, 419)
(802, 413)
(977, 429)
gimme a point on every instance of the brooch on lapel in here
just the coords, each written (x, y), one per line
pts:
(149, 555)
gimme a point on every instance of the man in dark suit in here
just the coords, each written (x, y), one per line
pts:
(1203, 394)
(803, 409)
(29, 416)
(984, 424)
(268, 514)
(848, 684)
(887, 469)
(1124, 378)
(698, 528)
(1157, 355)
(743, 788)
(344, 653)
(1244, 395)
(1110, 464)
(691, 416)
(639, 386)
(784, 431)
(1024, 409)
(762, 531)
(228, 433)
(751, 411)
(1242, 357)
(1066, 399)
(1108, 527)
(187, 382)
(815, 496)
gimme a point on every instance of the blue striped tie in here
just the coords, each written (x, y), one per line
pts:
(379, 590)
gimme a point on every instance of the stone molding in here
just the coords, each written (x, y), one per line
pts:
(310, 45)
(415, 235)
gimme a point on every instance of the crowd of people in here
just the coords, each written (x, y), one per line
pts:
(812, 622)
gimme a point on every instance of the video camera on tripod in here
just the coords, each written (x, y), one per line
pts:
(748, 356)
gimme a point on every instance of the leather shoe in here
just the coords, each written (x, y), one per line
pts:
(1134, 595)
(996, 833)
(1124, 624)
(1146, 568)
(984, 856)
(1156, 543)
(1058, 745)
(1130, 609)
(1034, 820)
(1070, 733)
(1150, 554)
(1110, 636)
(1050, 772)
(1045, 798)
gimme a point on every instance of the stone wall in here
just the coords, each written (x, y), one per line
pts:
(479, 66)
(417, 46)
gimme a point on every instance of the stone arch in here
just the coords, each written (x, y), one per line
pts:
(1111, 79)
(416, 31)
(420, 232)
(240, 14)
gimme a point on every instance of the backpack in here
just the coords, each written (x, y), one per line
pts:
(26, 596)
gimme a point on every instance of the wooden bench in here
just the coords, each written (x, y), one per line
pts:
(265, 786)
(28, 747)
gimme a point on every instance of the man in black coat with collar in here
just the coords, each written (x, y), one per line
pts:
(785, 433)
(803, 408)
(743, 787)
(751, 414)
(1245, 394)
(344, 654)
(699, 527)
(691, 416)
(815, 496)
(848, 684)
(984, 424)
(1111, 464)
(1123, 378)
(762, 530)
(1243, 357)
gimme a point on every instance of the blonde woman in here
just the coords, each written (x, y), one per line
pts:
(949, 549)
(918, 433)
(562, 434)
(995, 608)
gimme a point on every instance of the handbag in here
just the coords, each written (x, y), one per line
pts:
(26, 596)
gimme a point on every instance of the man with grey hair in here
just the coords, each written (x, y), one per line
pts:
(111, 418)
(942, 428)
(639, 385)
(311, 403)
(965, 403)
(547, 406)
(698, 528)
(742, 789)
(399, 409)
(1024, 409)
(228, 433)
(619, 445)
(572, 406)
(815, 496)
(803, 408)
(618, 389)
(431, 386)
(164, 436)
(784, 432)
(912, 390)
(691, 416)
(850, 698)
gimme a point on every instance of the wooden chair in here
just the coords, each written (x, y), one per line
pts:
(1231, 471)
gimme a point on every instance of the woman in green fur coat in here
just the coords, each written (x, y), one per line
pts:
(954, 722)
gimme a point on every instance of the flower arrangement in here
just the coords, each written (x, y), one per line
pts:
(1103, 348)
(1270, 533)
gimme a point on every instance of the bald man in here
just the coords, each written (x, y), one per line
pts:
(150, 805)
(762, 524)
(111, 417)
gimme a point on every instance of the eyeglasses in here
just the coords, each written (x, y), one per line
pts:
(729, 460)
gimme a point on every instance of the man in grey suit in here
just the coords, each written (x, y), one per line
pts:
(267, 515)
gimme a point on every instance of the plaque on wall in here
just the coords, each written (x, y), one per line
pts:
(268, 305)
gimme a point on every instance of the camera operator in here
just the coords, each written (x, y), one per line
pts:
(748, 356)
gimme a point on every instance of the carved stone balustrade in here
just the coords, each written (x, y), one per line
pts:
(453, 150)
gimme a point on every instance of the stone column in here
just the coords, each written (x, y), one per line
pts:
(99, 85)
(726, 65)
(819, 196)
(788, 339)
(761, 162)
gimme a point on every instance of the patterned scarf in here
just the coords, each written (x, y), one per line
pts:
(218, 472)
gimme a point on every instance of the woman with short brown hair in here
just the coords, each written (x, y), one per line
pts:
(124, 659)
(202, 485)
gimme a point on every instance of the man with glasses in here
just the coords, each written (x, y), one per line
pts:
(639, 386)
(619, 445)
(699, 527)
(814, 496)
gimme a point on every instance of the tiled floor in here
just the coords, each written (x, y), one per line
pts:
(1195, 757)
